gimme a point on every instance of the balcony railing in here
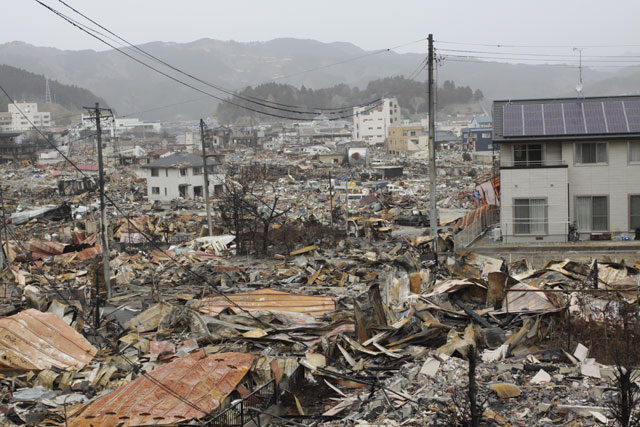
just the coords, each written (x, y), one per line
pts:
(530, 164)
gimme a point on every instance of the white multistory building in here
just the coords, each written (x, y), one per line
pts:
(121, 125)
(25, 116)
(371, 123)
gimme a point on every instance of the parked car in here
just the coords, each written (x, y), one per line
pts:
(414, 218)
(379, 186)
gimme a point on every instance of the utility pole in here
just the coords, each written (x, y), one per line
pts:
(104, 238)
(433, 217)
(4, 261)
(206, 177)
(331, 202)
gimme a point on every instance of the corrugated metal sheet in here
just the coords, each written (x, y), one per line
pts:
(268, 300)
(170, 396)
(35, 340)
(42, 250)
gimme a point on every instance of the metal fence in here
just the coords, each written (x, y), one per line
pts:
(471, 232)
(247, 409)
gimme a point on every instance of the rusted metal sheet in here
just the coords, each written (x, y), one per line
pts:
(42, 250)
(268, 300)
(186, 389)
(35, 340)
(89, 253)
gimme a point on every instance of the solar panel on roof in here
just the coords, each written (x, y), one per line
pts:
(632, 109)
(512, 120)
(573, 119)
(614, 113)
(533, 124)
(594, 117)
(553, 121)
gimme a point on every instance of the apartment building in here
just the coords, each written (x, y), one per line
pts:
(371, 124)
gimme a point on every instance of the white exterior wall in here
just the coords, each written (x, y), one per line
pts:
(535, 183)
(30, 110)
(372, 126)
(617, 179)
(169, 181)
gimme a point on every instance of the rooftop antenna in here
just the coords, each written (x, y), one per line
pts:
(47, 91)
(579, 86)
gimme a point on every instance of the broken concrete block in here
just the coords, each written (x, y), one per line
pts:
(542, 377)
(430, 367)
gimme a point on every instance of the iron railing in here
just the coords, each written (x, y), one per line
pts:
(246, 409)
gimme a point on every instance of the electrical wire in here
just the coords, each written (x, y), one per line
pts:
(569, 56)
(153, 242)
(95, 328)
(542, 59)
(249, 108)
(252, 99)
(418, 70)
(500, 45)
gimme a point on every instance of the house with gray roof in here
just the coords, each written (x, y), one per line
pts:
(572, 162)
(181, 175)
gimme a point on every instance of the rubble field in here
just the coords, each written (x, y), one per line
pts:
(299, 307)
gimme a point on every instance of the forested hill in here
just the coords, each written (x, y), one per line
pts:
(411, 96)
(24, 86)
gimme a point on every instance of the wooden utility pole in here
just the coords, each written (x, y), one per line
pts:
(104, 225)
(433, 217)
(206, 177)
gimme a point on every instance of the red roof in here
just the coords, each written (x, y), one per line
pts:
(87, 167)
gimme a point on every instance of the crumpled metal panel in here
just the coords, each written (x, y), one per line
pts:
(185, 389)
(41, 249)
(35, 340)
(267, 300)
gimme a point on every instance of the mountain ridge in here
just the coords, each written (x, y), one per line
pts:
(129, 87)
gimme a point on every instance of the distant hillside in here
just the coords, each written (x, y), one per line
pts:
(410, 94)
(130, 87)
(24, 86)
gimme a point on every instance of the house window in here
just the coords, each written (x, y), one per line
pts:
(486, 135)
(166, 172)
(197, 171)
(155, 190)
(165, 191)
(183, 171)
(527, 154)
(529, 216)
(634, 212)
(634, 152)
(592, 213)
(591, 152)
(155, 172)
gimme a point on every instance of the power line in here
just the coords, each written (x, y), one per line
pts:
(258, 101)
(500, 45)
(79, 26)
(539, 59)
(153, 242)
(252, 99)
(538, 54)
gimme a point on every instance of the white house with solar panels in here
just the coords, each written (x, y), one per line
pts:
(568, 162)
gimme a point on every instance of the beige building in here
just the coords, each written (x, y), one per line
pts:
(408, 138)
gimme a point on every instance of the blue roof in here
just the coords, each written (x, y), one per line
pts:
(483, 119)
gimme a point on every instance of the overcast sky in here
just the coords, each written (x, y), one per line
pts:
(370, 24)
